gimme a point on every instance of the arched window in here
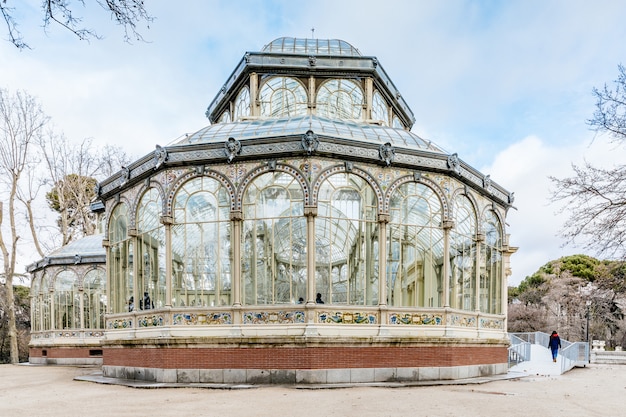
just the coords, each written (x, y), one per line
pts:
(283, 97)
(46, 319)
(95, 299)
(340, 99)
(120, 261)
(35, 303)
(491, 266)
(151, 252)
(224, 118)
(274, 260)
(242, 104)
(415, 251)
(380, 111)
(346, 241)
(66, 301)
(201, 245)
(463, 255)
(396, 123)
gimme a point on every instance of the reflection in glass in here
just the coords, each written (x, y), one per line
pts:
(340, 99)
(274, 245)
(463, 255)
(283, 97)
(201, 252)
(415, 251)
(380, 111)
(120, 260)
(491, 265)
(66, 301)
(346, 241)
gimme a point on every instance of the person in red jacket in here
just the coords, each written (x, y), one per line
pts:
(554, 344)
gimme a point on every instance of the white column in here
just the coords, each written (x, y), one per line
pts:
(169, 269)
(447, 226)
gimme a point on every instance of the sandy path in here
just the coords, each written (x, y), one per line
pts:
(597, 390)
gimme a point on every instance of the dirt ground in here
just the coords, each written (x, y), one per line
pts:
(596, 390)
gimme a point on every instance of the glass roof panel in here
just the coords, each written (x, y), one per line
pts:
(89, 245)
(307, 46)
(343, 129)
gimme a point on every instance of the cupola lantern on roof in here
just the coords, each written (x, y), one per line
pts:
(305, 235)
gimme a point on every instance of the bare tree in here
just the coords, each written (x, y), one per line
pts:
(595, 198)
(126, 13)
(22, 121)
(73, 171)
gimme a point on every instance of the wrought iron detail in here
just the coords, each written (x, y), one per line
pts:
(124, 176)
(487, 182)
(233, 148)
(160, 156)
(511, 198)
(454, 163)
(387, 153)
(310, 142)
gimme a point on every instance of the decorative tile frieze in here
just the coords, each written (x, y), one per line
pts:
(154, 320)
(491, 323)
(202, 319)
(347, 317)
(417, 319)
(460, 320)
(273, 317)
(123, 323)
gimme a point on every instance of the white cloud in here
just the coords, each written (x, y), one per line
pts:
(524, 168)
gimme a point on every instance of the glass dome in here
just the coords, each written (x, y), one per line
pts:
(311, 47)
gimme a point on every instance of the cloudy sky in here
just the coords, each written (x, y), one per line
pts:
(505, 84)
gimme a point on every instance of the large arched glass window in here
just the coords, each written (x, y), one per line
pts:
(380, 111)
(120, 261)
(273, 259)
(46, 319)
(151, 252)
(415, 251)
(340, 99)
(66, 301)
(95, 298)
(242, 104)
(463, 255)
(346, 241)
(491, 266)
(35, 303)
(283, 97)
(201, 245)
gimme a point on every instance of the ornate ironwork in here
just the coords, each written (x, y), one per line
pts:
(310, 142)
(160, 156)
(387, 153)
(233, 148)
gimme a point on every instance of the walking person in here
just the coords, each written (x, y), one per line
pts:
(554, 344)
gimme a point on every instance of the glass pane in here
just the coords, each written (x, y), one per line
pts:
(415, 248)
(346, 241)
(274, 257)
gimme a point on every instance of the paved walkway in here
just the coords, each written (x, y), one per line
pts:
(55, 391)
(541, 363)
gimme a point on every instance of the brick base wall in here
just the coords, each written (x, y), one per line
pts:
(319, 357)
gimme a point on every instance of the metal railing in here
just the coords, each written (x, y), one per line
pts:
(519, 351)
(572, 354)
